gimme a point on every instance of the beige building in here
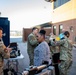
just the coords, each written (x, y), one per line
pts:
(64, 17)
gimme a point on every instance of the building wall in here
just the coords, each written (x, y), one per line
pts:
(67, 25)
(66, 11)
(26, 32)
(65, 15)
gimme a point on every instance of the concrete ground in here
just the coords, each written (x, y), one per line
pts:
(73, 68)
(24, 63)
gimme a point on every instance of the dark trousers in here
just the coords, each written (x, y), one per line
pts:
(56, 61)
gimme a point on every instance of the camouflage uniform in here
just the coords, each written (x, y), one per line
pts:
(3, 55)
(54, 49)
(65, 56)
(31, 44)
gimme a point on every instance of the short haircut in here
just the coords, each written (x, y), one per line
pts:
(34, 28)
(1, 28)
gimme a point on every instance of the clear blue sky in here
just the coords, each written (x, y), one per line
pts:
(25, 13)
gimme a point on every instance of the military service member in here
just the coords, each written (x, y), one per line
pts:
(31, 44)
(65, 54)
(55, 50)
(4, 52)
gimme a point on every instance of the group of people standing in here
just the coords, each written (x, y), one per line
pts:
(40, 52)
(38, 48)
(65, 51)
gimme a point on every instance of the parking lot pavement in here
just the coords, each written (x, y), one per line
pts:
(73, 68)
(23, 63)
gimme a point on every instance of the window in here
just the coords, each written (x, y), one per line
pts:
(54, 30)
(58, 3)
(60, 28)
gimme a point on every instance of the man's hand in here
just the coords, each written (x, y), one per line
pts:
(9, 49)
